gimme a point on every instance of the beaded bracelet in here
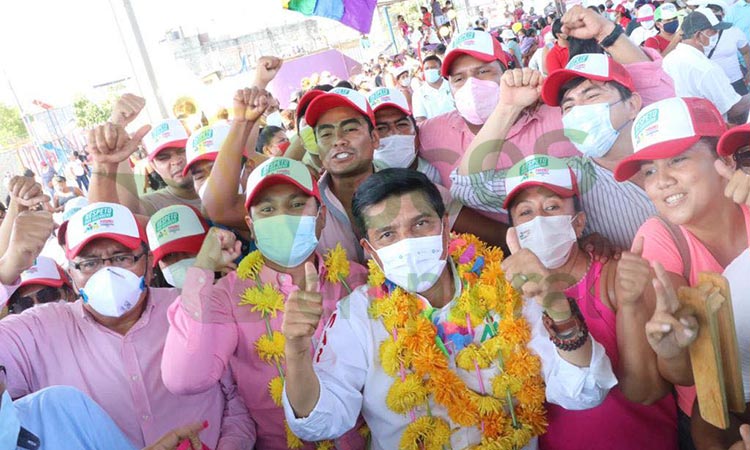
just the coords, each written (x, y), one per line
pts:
(569, 334)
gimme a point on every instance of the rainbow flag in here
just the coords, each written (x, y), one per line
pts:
(352, 13)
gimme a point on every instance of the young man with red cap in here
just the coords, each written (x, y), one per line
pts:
(110, 146)
(233, 323)
(44, 282)
(109, 344)
(474, 67)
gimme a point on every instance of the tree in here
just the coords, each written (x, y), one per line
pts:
(90, 114)
(12, 129)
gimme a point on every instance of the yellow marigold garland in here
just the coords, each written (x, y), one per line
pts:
(512, 412)
(337, 266)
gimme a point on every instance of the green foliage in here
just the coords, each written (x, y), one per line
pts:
(12, 129)
(90, 114)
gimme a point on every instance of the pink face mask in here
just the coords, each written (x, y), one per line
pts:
(476, 100)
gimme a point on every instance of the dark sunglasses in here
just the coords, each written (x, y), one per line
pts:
(46, 295)
(742, 158)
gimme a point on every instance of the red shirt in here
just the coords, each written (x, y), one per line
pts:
(427, 19)
(557, 58)
(624, 21)
(657, 42)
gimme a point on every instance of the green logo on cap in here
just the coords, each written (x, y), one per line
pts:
(461, 39)
(203, 136)
(644, 122)
(164, 222)
(377, 95)
(275, 166)
(159, 130)
(536, 163)
(97, 214)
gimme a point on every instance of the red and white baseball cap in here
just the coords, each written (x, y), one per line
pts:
(540, 170)
(45, 272)
(645, 13)
(734, 139)
(176, 228)
(100, 221)
(667, 128)
(306, 99)
(478, 44)
(388, 97)
(204, 144)
(166, 134)
(336, 97)
(280, 170)
(592, 66)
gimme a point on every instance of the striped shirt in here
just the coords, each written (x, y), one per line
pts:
(614, 210)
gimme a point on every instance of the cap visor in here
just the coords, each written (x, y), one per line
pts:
(187, 244)
(42, 281)
(391, 105)
(561, 191)
(632, 164)
(733, 140)
(557, 79)
(448, 61)
(179, 143)
(272, 180)
(321, 105)
(204, 157)
(129, 242)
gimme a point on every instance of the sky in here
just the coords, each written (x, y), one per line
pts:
(53, 50)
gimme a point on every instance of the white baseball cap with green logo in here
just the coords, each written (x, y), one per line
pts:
(540, 170)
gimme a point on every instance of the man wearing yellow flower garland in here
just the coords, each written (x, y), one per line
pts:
(235, 323)
(438, 351)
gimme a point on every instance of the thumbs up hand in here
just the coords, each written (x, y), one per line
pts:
(633, 275)
(302, 315)
(738, 188)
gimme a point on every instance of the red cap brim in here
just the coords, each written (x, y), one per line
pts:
(187, 244)
(733, 140)
(557, 79)
(391, 105)
(323, 103)
(179, 143)
(204, 157)
(272, 180)
(632, 164)
(454, 54)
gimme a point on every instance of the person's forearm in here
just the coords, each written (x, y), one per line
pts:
(737, 113)
(746, 56)
(638, 373)
(708, 437)
(301, 384)
(7, 226)
(484, 151)
(107, 184)
(677, 370)
(220, 198)
(672, 44)
(296, 149)
(624, 51)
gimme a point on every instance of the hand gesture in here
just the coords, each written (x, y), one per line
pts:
(250, 104)
(302, 314)
(583, 23)
(527, 274)
(219, 251)
(599, 247)
(520, 87)
(111, 144)
(127, 109)
(29, 234)
(738, 188)
(179, 436)
(25, 193)
(633, 274)
(669, 331)
(266, 70)
(744, 443)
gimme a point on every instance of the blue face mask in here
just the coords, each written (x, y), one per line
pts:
(285, 239)
(671, 27)
(431, 75)
(11, 425)
(590, 129)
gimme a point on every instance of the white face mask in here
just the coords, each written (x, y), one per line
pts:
(11, 424)
(550, 238)
(285, 239)
(396, 151)
(649, 24)
(413, 264)
(275, 119)
(590, 129)
(405, 82)
(712, 41)
(476, 100)
(175, 274)
(431, 75)
(113, 291)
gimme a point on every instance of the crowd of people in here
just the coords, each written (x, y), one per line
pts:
(476, 243)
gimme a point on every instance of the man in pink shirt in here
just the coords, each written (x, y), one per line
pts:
(474, 65)
(212, 330)
(109, 344)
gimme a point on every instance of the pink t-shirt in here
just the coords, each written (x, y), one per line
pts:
(658, 245)
(618, 423)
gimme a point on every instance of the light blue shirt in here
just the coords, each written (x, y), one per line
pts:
(65, 418)
(739, 16)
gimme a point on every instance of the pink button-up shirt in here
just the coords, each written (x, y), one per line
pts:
(62, 344)
(445, 138)
(211, 331)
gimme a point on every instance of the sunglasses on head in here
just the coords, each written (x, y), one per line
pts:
(45, 295)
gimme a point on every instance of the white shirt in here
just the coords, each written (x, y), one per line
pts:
(640, 34)
(694, 75)
(731, 40)
(739, 287)
(352, 380)
(430, 102)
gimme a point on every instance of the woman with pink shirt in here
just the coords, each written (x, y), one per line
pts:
(235, 323)
(640, 412)
(685, 170)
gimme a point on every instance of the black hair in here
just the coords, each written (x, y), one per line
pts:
(389, 183)
(265, 136)
(440, 49)
(344, 84)
(556, 28)
(624, 92)
(424, 10)
(28, 173)
(594, 8)
(432, 58)
(577, 207)
(2, 207)
(59, 178)
(579, 46)
(602, 8)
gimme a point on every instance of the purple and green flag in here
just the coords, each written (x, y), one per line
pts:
(353, 13)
